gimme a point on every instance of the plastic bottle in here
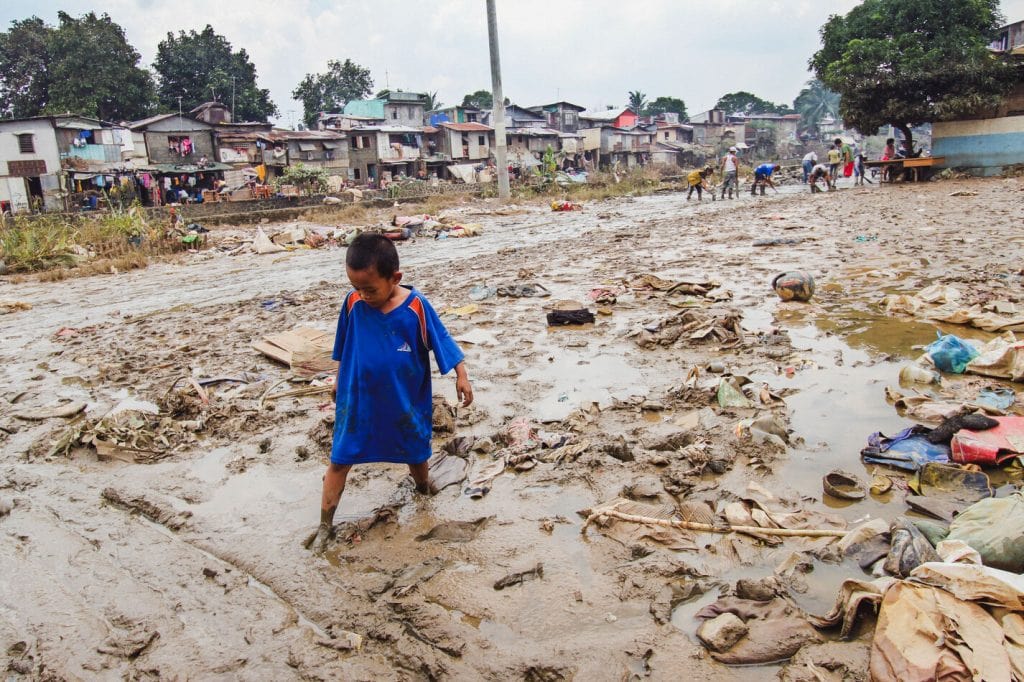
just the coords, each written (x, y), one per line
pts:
(915, 374)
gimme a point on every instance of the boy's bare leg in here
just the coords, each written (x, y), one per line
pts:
(421, 477)
(334, 485)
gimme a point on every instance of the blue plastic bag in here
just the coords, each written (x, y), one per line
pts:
(951, 353)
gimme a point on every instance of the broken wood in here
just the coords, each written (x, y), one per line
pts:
(709, 528)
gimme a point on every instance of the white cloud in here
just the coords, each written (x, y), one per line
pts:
(587, 51)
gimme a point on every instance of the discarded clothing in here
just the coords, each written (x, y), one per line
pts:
(908, 449)
(523, 290)
(909, 549)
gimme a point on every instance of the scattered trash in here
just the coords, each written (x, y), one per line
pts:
(949, 427)
(559, 206)
(992, 527)
(794, 286)
(911, 374)
(9, 306)
(557, 318)
(306, 351)
(843, 486)
(481, 292)
(262, 244)
(523, 290)
(996, 399)
(950, 353)
(908, 449)
(519, 577)
(1002, 357)
(729, 394)
(778, 241)
(992, 446)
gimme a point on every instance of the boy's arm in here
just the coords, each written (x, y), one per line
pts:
(463, 389)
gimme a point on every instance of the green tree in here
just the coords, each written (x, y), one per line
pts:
(663, 105)
(84, 65)
(24, 68)
(907, 62)
(637, 101)
(96, 72)
(481, 99)
(816, 102)
(382, 94)
(743, 102)
(432, 102)
(199, 67)
(332, 89)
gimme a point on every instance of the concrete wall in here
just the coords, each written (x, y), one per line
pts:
(985, 145)
(44, 141)
(403, 113)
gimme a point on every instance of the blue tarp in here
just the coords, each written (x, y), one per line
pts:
(908, 449)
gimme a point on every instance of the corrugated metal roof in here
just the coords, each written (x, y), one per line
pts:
(609, 115)
(466, 127)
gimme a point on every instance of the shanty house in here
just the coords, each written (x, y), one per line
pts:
(615, 118)
(374, 150)
(561, 116)
(455, 114)
(466, 141)
(397, 109)
(174, 139)
(625, 147)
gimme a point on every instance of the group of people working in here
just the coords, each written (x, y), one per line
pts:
(729, 165)
(843, 160)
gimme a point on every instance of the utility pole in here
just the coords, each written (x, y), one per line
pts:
(233, 98)
(500, 151)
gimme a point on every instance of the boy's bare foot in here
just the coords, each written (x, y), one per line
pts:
(322, 539)
(427, 488)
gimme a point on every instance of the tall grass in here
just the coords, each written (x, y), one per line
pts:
(47, 241)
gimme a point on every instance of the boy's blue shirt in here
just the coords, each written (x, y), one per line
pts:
(384, 406)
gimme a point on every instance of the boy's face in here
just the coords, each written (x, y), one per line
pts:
(372, 287)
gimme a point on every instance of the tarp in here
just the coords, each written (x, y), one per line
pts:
(465, 172)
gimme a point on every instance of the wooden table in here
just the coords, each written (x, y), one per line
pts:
(915, 163)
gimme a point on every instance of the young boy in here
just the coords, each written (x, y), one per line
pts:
(383, 397)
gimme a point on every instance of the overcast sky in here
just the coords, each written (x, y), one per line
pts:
(590, 52)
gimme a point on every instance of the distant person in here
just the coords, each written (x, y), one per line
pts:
(846, 152)
(698, 180)
(810, 159)
(383, 396)
(860, 170)
(835, 160)
(888, 154)
(730, 173)
(820, 172)
(763, 176)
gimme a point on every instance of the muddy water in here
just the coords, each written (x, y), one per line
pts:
(221, 551)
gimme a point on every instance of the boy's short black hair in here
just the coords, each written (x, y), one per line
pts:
(370, 250)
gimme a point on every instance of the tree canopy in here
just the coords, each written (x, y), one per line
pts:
(84, 65)
(637, 101)
(199, 67)
(908, 62)
(816, 102)
(743, 102)
(662, 105)
(333, 89)
(481, 99)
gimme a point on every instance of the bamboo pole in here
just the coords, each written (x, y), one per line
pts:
(708, 528)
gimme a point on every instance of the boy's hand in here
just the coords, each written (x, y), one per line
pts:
(464, 390)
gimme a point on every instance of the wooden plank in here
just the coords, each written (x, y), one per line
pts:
(274, 352)
(923, 161)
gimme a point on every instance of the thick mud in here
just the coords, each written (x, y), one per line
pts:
(191, 563)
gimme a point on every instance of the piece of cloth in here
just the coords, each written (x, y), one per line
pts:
(926, 634)
(384, 405)
(992, 446)
(776, 630)
(908, 449)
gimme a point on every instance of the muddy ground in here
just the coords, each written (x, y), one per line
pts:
(191, 563)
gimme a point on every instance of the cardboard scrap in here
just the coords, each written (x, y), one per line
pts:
(305, 350)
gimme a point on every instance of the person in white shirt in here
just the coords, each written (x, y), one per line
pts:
(810, 160)
(730, 171)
